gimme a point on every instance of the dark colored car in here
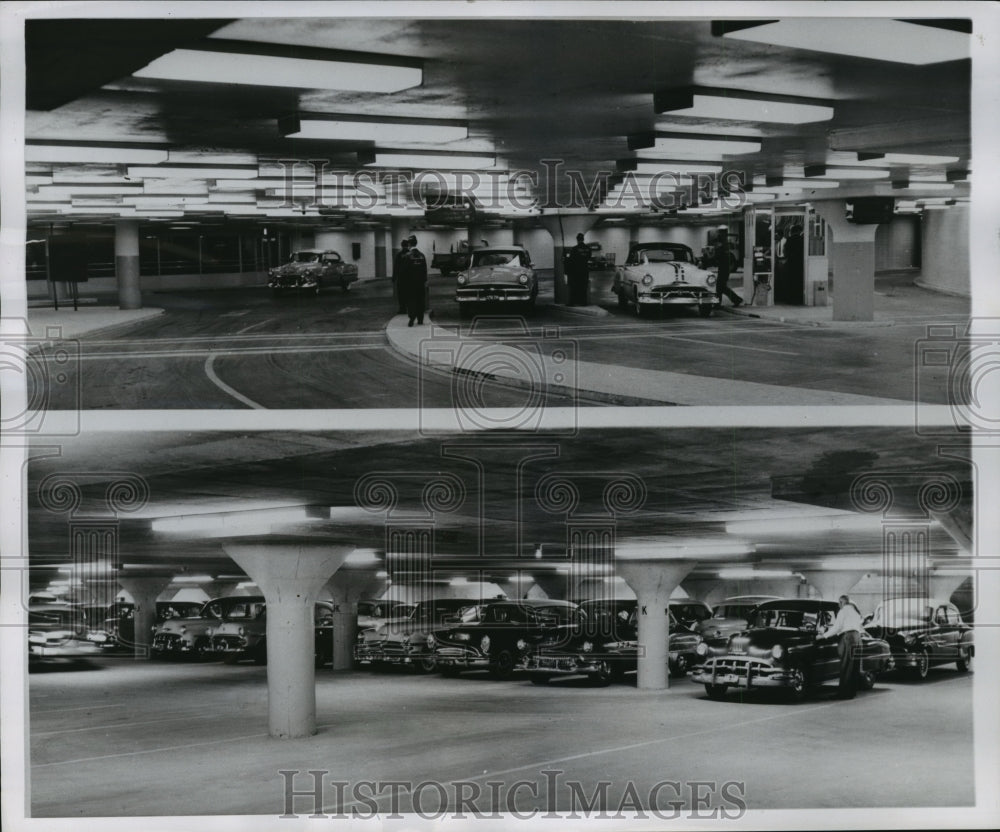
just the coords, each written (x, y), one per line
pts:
(923, 632)
(310, 270)
(498, 635)
(730, 617)
(782, 648)
(242, 633)
(499, 274)
(402, 640)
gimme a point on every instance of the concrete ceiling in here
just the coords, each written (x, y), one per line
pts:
(695, 481)
(529, 90)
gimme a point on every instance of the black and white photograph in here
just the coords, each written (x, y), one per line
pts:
(429, 415)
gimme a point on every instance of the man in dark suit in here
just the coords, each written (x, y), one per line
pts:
(577, 272)
(722, 269)
(397, 272)
(414, 281)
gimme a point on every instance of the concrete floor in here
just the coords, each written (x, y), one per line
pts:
(127, 739)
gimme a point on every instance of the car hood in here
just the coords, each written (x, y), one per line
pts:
(297, 268)
(492, 275)
(759, 642)
(667, 274)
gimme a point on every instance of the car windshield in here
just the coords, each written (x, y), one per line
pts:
(244, 611)
(305, 257)
(662, 255)
(902, 612)
(558, 614)
(472, 614)
(690, 612)
(496, 258)
(733, 610)
(781, 619)
(182, 611)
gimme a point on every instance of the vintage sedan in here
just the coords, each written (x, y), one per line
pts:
(605, 645)
(730, 617)
(402, 640)
(923, 632)
(658, 275)
(783, 648)
(310, 270)
(241, 635)
(497, 636)
(497, 275)
(600, 260)
(372, 613)
(119, 625)
(189, 635)
(58, 631)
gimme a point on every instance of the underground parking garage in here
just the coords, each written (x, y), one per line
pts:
(686, 520)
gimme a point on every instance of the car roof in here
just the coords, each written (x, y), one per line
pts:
(657, 244)
(534, 602)
(513, 247)
(799, 604)
(926, 600)
(737, 599)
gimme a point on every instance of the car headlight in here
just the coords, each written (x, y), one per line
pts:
(522, 645)
(647, 280)
(431, 641)
(239, 632)
(522, 279)
(461, 636)
(361, 638)
(463, 279)
(710, 280)
(587, 646)
(484, 644)
(182, 630)
(909, 638)
(777, 651)
(701, 649)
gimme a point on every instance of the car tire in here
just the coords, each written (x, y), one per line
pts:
(602, 678)
(502, 664)
(202, 650)
(716, 692)
(230, 658)
(920, 670)
(425, 664)
(866, 679)
(705, 311)
(622, 300)
(678, 668)
(539, 679)
(964, 662)
(798, 686)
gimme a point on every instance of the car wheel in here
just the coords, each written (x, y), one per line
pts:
(716, 691)
(705, 310)
(425, 664)
(866, 679)
(964, 662)
(920, 670)
(502, 664)
(539, 679)
(679, 667)
(798, 685)
(202, 649)
(602, 678)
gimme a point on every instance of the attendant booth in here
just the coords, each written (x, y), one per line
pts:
(786, 263)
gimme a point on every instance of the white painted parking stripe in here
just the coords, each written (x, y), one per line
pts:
(225, 388)
(148, 751)
(254, 326)
(206, 351)
(109, 725)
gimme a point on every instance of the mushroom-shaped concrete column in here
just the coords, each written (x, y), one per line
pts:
(291, 575)
(564, 227)
(345, 589)
(832, 583)
(144, 590)
(652, 579)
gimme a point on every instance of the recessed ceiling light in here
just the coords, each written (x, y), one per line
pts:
(428, 161)
(92, 153)
(192, 172)
(709, 129)
(760, 183)
(914, 159)
(239, 62)
(359, 128)
(855, 173)
(644, 164)
(738, 105)
(700, 146)
(877, 39)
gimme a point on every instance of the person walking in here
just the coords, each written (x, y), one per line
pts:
(722, 270)
(397, 274)
(415, 282)
(577, 272)
(847, 627)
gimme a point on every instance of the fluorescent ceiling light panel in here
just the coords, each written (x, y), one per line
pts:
(855, 173)
(873, 38)
(58, 191)
(738, 573)
(708, 129)
(93, 153)
(706, 146)
(361, 129)
(913, 159)
(760, 183)
(917, 184)
(250, 68)
(431, 162)
(192, 172)
(739, 106)
(808, 526)
(645, 165)
(198, 157)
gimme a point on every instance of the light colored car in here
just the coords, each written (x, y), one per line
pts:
(730, 617)
(190, 635)
(656, 275)
(242, 633)
(58, 630)
(310, 270)
(497, 274)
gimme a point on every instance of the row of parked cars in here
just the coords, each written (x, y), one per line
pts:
(746, 643)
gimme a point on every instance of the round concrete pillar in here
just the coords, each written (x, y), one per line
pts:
(564, 228)
(127, 264)
(144, 591)
(291, 576)
(345, 589)
(652, 580)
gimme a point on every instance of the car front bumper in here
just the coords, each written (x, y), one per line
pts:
(494, 294)
(566, 664)
(678, 298)
(459, 657)
(390, 654)
(742, 673)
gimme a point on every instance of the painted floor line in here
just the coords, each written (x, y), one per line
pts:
(254, 326)
(204, 351)
(109, 725)
(225, 388)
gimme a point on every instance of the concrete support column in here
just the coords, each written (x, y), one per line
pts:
(144, 591)
(564, 228)
(127, 264)
(291, 576)
(852, 261)
(382, 253)
(345, 589)
(652, 580)
(830, 584)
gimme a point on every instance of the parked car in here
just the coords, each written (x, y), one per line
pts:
(373, 613)
(496, 636)
(58, 631)
(730, 617)
(241, 635)
(451, 262)
(782, 648)
(656, 275)
(600, 260)
(190, 635)
(119, 625)
(402, 640)
(922, 632)
(310, 270)
(497, 275)
(605, 646)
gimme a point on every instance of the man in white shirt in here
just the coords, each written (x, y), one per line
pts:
(847, 625)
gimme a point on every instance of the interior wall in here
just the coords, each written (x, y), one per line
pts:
(944, 250)
(539, 244)
(897, 243)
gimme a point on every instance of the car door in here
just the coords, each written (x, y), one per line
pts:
(826, 653)
(948, 634)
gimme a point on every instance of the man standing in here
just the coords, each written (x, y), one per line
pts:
(847, 626)
(722, 266)
(577, 272)
(414, 281)
(397, 277)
